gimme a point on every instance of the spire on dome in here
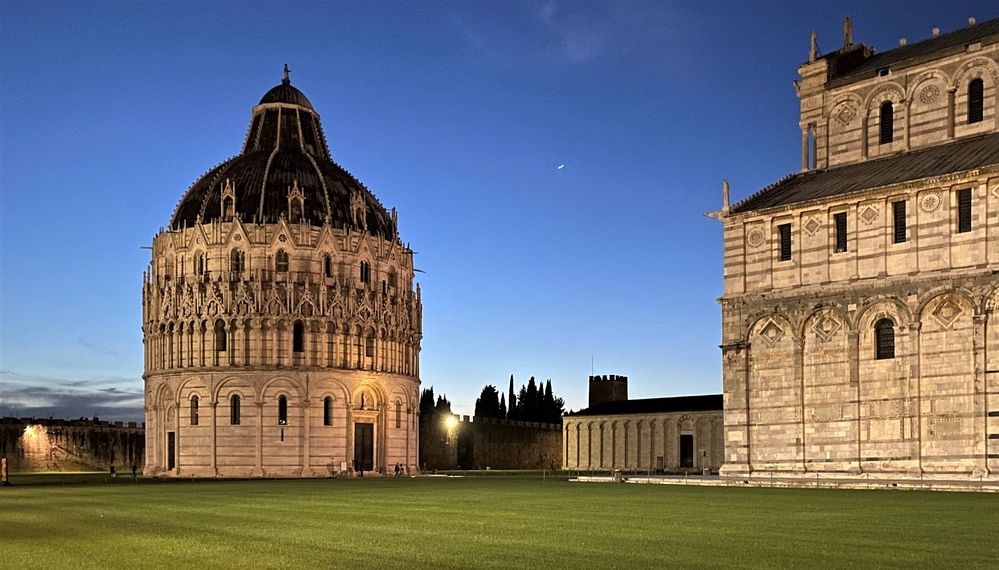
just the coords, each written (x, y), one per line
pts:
(287, 76)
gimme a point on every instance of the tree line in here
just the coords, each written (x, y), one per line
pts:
(532, 403)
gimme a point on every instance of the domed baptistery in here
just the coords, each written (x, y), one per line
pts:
(281, 328)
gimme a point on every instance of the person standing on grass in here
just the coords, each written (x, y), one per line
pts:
(134, 471)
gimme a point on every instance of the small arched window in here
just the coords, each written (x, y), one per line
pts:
(327, 266)
(234, 410)
(976, 101)
(282, 410)
(199, 264)
(398, 415)
(194, 410)
(281, 261)
(298, 337)
(236, 261)
(887, 123)
(365, 272)
(295, 213)
(328, 411)
(220, 336)
(884, 332)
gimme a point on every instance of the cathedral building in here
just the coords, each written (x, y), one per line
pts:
(859, 322)
(281, 328)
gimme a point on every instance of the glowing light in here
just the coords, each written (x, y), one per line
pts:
(451, 422)
(33, 434)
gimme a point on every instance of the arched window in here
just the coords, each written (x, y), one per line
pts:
(884, 332)
(298, 337)
(236, 261)
(398, 415)
(227, 209)
(327, 266)
(393, 279)
(328, 411)
(282, 410)
(976, 101)
(199, 264)
(194, 410)
(887, 132)
(281, 261)
(295, 214)
(220, 336)
(365, 272)
(234, 410)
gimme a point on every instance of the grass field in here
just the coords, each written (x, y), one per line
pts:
(72, 521)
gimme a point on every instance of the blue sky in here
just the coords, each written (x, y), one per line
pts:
(458, 115)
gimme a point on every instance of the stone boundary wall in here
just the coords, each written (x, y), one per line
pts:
(35, 444)
(511, 444)
(491, 442)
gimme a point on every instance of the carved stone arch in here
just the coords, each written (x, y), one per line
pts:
(991, 301)
(975, 68)
(296, 385)
(242, 391)
(164, 395)
(332, 388)
(373, 389)
(937, 292)
(684, 421)
(844, 110)
(190, 380)
(833, 310)
(890, 91)
(930, 75)
(883, 307)
(306, 307)
(772, 326)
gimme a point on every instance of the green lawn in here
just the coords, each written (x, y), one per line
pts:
(497, 522)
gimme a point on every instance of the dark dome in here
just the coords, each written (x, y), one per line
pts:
(285, 148)
(285, 93)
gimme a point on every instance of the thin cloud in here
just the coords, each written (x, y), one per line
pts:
(97, 349)
(23, 395)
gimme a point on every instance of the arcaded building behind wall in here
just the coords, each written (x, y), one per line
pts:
(859, 322)
(660, 435)
(281, 328)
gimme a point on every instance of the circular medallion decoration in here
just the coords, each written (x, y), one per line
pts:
(929, 93)
(282, 238)
(929, 202)
(756, 237)
(237, 237)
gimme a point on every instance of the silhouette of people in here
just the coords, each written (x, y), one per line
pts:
(134, 471)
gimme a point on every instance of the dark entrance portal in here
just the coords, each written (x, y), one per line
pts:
(171, 450)
(686, 450)
(364, 446)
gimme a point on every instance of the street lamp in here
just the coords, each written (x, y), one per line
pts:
(450, 422)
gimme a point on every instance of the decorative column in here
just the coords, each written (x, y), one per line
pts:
(981, 468)
(259, 470)
(950, 111)
(853, 360)
(799, 376)
(915, 372)
(214, 405)
(307, 447)
(348, 432)
(804, 148)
